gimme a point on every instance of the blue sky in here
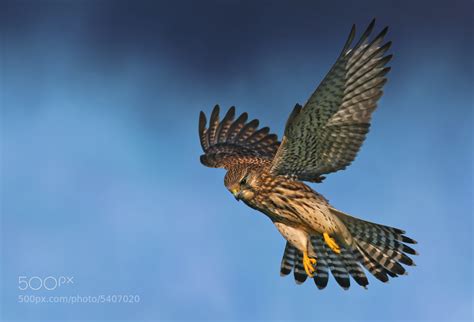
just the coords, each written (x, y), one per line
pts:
(100, 173)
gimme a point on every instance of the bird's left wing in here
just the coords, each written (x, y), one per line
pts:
(325, 135)
(229, 141)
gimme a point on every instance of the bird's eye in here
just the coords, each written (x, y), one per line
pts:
(243, 181)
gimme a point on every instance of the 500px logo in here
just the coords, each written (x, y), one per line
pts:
(48, 283)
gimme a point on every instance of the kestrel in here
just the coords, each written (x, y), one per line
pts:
(322, 137)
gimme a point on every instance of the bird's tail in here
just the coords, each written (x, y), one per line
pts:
(378, 248)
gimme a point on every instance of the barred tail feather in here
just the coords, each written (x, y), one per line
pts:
(371, 265)
(299, 273)
(322, 270)
(338, 268)
(354, 268)
(288, 260)
(383, 259)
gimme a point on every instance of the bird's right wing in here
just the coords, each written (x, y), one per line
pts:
(325, 135)
(228, 141)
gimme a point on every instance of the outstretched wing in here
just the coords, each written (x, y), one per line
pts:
(325, 135)
(227, 141)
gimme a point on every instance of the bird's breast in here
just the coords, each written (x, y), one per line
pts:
(295, 206)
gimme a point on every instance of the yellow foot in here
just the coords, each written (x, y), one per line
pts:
(308, 264)
(331, 243)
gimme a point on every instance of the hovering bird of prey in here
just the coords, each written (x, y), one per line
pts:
(321, 137)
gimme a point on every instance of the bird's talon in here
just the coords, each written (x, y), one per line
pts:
(308, 264)
(331, 243)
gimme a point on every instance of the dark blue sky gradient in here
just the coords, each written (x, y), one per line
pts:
(100, 173)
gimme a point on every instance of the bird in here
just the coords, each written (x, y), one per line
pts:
(321, 137)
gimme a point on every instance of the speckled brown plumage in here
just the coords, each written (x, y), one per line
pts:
(322, 137)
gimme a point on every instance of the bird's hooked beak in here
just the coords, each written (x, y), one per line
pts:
(236, 194)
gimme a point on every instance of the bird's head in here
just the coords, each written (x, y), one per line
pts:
(241, 182)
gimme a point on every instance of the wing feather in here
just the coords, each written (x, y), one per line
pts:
(225, 124)
(236, 127)
(213, 124)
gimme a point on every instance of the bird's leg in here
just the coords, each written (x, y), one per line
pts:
(308, 264)
(331, 243)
